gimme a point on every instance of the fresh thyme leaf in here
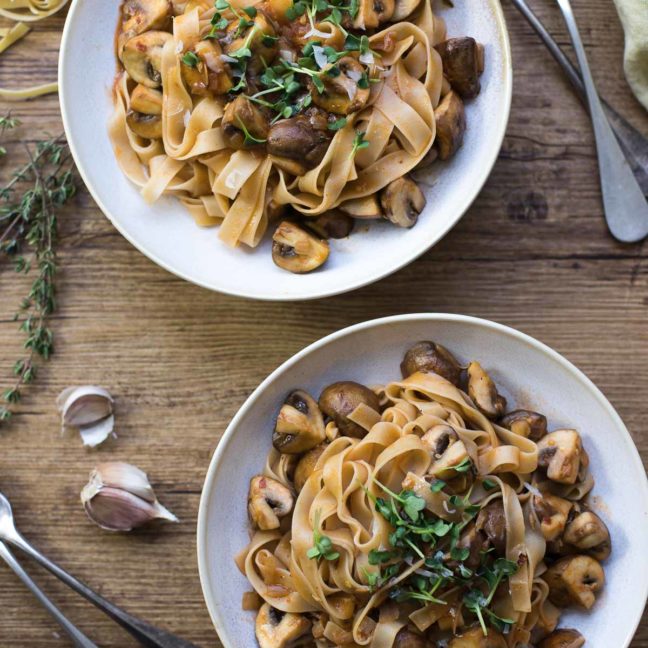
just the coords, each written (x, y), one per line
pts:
(190, 59)
(28, 222)
(337, 124)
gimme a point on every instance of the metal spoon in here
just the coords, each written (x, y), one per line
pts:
(146, 634)
(633, 143)
(626, 210)
(77, 637)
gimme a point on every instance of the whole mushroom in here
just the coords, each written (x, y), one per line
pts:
(574, 580)
(340, 399)
(268, 500)
(306, 465)
(563, 638)
(142, 57)
(526, 423)
(402, 201)
(483, 392)
(430, 357)
(296, 250)
(560, 453)
(552, 512)
(462, 64)
(450, 118)
(276, 629)
(299, 426)
(491, 521)
(589, 533)
(239, 116)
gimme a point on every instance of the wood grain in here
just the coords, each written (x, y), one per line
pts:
(533, 252)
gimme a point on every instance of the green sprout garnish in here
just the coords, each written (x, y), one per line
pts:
(190, 59)
(322, 545)
(359, 142)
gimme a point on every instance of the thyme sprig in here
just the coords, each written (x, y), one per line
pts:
(29, 206)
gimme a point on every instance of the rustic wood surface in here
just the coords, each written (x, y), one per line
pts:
(533, 252)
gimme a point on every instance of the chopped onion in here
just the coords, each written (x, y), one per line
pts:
(532, 489)
(367, 58)
(228, 59)
(316, 32)
(425, 572)
(354, 75)
(448, 510)
(320, 57)
(287, 55)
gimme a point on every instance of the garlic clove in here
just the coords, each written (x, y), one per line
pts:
(119, 497)
(90, 410)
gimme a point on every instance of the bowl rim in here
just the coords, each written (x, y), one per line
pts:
(65, 72)
(489, 325)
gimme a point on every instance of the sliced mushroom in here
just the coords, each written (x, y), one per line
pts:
(491, 521)
(588, 533)
(438, 438)
(450, 118)
(299, 426)
(210, 73)
(241, 115)
(306, 465)
(563, 639)
(483, 392)
(296, 250)
(560, 454)
(342, 95)
(402, 202)
(373, 12)
(332, 224)
(475, 638)
(147, 126)
(453, 456)
(268, 500)
(340, 399)
(407, 638)
(146, 100)
(462, 64)
(403, 9)
(275, 629)
(305, 138)
(430, 357)
(142, 57)
(525, 423)
(574, 580)
(140, 16)
(552, 512)
(364, 208)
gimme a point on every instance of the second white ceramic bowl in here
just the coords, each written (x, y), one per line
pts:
(167, 234)
(527, 372)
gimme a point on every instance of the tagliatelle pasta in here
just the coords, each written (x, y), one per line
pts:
(420, 514)
(246, 109)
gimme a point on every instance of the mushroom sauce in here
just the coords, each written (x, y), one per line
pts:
(301, 115)
(423, 513)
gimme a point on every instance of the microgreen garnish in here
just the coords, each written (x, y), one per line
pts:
(250, 11)
(489, 484)
(464, 466)
(359, 142)
(249, 139)
(322, 545)
(337, 124)
(437, 485)
(190, 59)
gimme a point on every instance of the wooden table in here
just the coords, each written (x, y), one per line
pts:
(533, 252)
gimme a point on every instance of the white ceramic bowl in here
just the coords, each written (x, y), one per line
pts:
(167, 234)
(527, 372)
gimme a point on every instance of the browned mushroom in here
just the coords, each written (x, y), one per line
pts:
(430, 357)
(332, 224)
(476, 543)
(462, 64)
(299, 426)
(142, 57)
(206, 72)
(244, 125)
(305, 138)
(588, 532)
(475, 638)
(147, 126)
(407, 638)
(483, 392)
(259, 38)
(560, 454)
(373, 12)
(402, 202)
(275, 629)
(574, 580)
(525, 423)
(306, 465)
(563, 638)
(342, 94)
(450, 118)
(552, 512)
(140, 16)
(146, 100)
(296, 250)
(340, 399)
(268, 500)
(363, 208)
(404, 8)
(491, 521)
(446, 449)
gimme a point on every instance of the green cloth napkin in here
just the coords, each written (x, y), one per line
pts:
(634, 17)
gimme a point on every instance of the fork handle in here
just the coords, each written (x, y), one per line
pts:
(146, 634)
(77, 637)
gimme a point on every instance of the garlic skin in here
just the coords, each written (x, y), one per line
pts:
(119, 497)
(88, 409)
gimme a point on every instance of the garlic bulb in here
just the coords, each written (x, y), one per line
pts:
(119, 497)
(89, 409)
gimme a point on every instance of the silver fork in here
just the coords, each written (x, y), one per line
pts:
(146, 634)
(77, 637)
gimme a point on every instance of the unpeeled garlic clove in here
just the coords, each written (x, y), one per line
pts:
(90, 410)
(119, 497)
